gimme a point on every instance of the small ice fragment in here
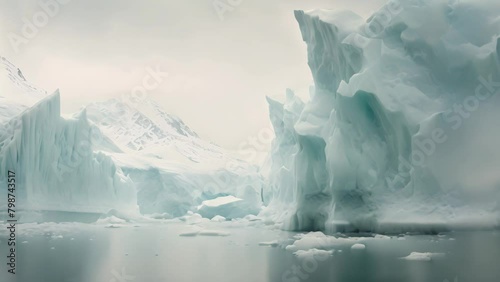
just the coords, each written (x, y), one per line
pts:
(213, 233)
(416, 256)
(270, 243)
(313, 254)
(358, 247)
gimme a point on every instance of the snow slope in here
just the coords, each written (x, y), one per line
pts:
(402, 126)
(55, 165)
(140, 125)
(17, 93)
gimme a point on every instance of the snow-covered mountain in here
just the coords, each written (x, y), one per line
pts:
(402, 126)
(17, 93)
(142, 125)
(173, 169)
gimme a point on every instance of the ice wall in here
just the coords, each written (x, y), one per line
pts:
(402, 127)
(54, 161)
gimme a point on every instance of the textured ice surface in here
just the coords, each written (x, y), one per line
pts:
(402, 125)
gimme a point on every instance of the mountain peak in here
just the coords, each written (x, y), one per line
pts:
(142, 125)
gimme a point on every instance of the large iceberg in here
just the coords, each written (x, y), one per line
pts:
(53, 158)
(402, 125)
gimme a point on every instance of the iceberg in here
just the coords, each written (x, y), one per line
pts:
(53, 159)
(401, 128)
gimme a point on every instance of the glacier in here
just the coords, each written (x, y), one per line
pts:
(401, 128)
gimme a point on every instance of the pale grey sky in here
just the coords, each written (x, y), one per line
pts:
(219, 69)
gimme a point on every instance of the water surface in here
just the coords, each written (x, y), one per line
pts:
(154, 253)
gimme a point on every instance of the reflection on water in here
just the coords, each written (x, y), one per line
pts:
(158, 253)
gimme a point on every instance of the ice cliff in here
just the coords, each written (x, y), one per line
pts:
(53, 158)
(402, 124)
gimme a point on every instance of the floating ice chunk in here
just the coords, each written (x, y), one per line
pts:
(416, 256)
(110, 220)
(213, 233)
(270, 243)
(320, 241)
(358, 247)
(191, 231)
(192, 218)
(54, 237)
(313, 254)
(252, 217)
(197, 231)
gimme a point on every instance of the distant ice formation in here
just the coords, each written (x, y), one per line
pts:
(121, 155)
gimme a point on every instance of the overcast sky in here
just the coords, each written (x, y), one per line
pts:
(219, 68)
